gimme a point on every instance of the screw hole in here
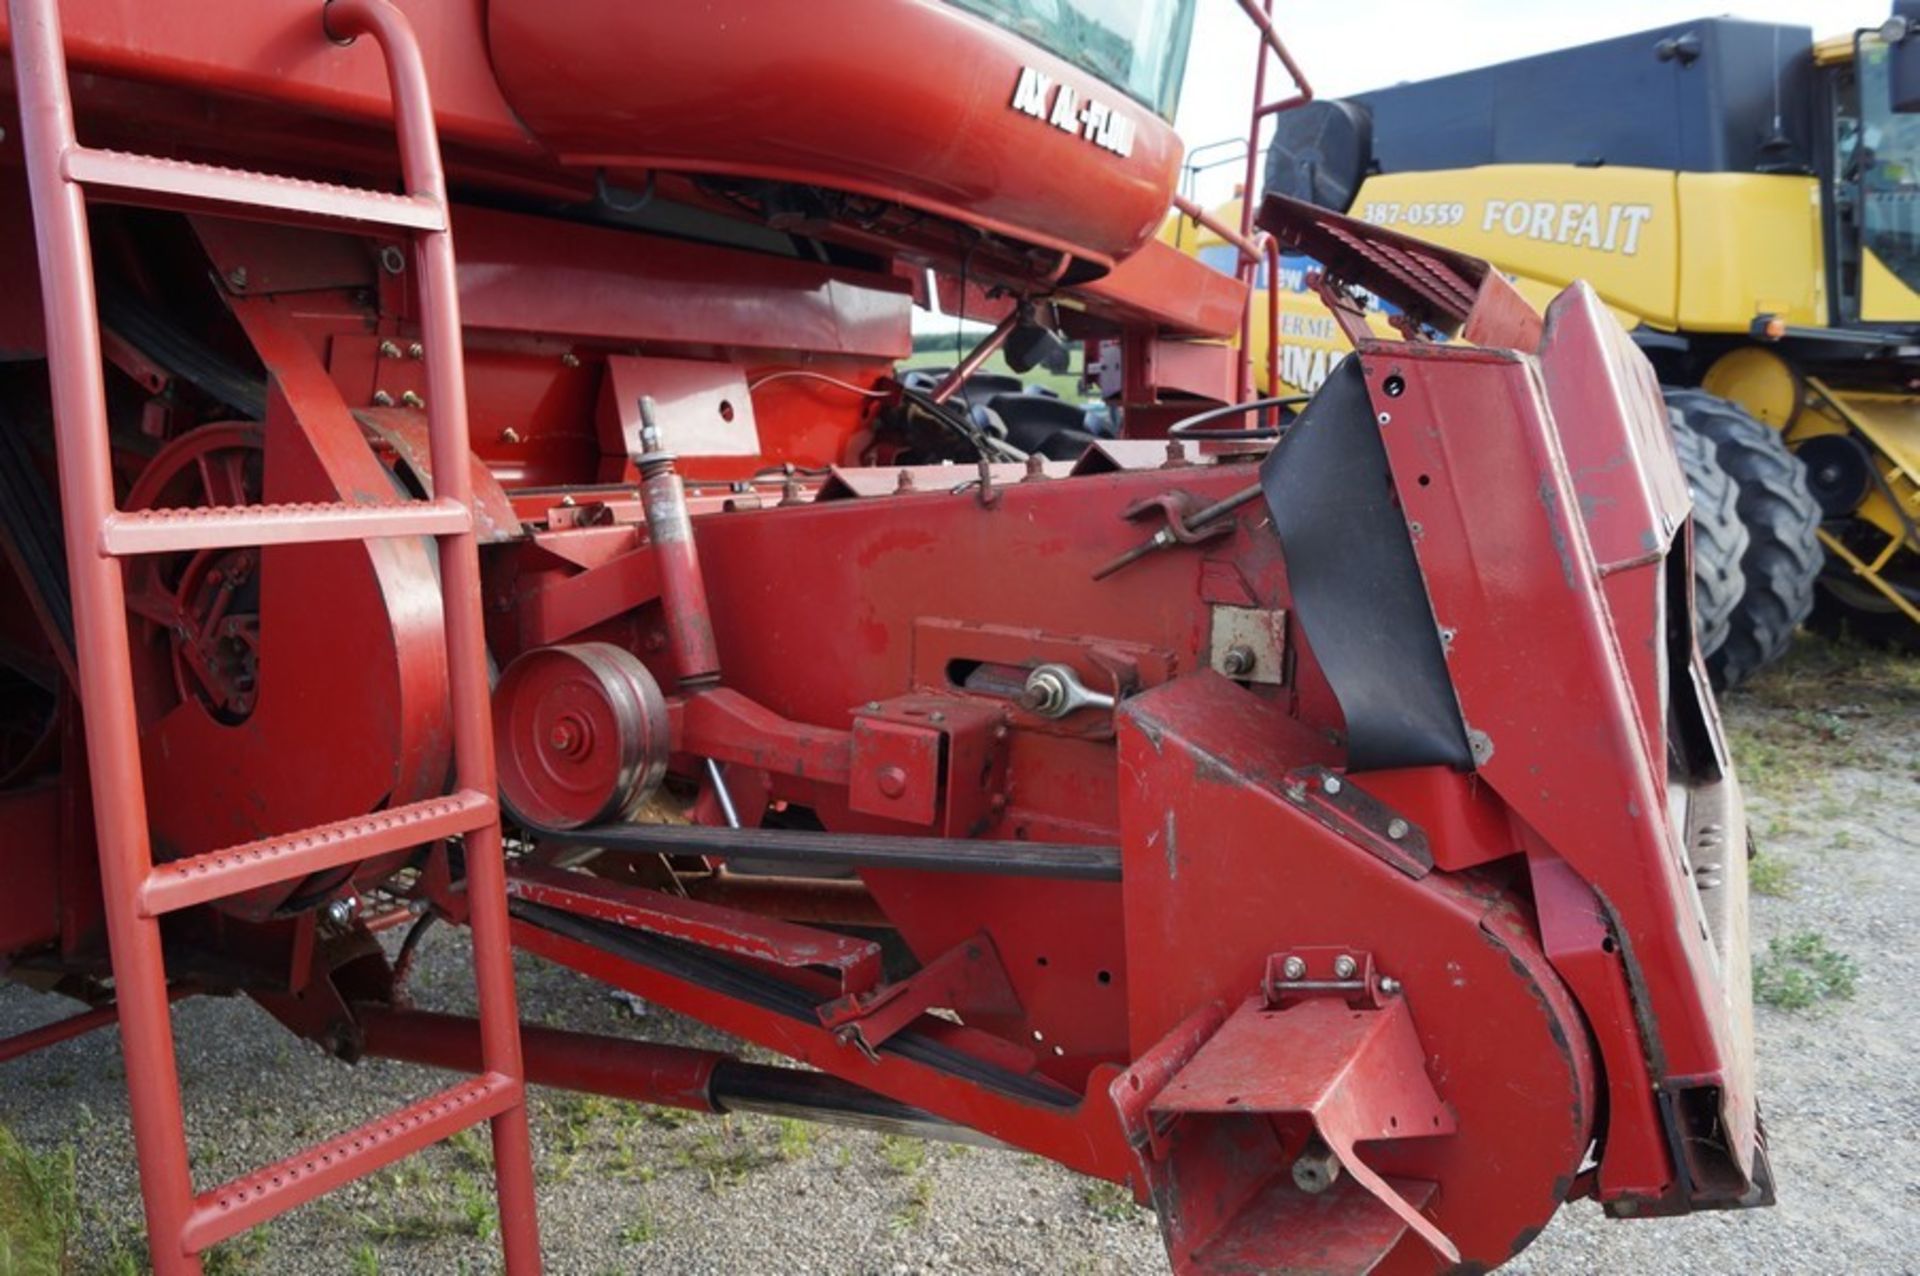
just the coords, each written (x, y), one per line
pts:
(1105, 976)
(1041, 960)
(1607, 945)
(1425, 479)
(726, 409)
(1232, 1099)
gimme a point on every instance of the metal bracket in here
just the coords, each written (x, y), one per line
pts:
(1355, 814)
(968, 977)
(1354, 1075)
(1347, 974)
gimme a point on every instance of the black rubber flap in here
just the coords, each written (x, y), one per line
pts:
(1356, 585)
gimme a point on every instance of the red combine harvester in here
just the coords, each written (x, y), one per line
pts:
(1324, 828)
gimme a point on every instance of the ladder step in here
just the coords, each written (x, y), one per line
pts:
(271, 1191)
(170, 183)
(233, 526)
(200, 879)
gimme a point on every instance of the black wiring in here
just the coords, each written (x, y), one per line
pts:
(1185, 428)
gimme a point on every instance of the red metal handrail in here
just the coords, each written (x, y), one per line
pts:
(1255, 249)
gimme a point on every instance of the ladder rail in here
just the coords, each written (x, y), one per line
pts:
(180, 1224)
(102, 650)
(468, 693)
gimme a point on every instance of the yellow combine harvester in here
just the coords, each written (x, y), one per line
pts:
(1747, 201)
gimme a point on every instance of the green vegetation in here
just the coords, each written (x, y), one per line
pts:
(39, 1209)
(913, 1211)
(1769, 876)
(1802, 970)
(1111, 1202)
(419, 1201)
(1787, 754)
(903, 1155)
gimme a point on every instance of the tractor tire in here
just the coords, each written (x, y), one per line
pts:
(1783, 557)
(1719, 537)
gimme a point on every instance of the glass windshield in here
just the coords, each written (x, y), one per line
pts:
(1138, 46)
(1882, 154)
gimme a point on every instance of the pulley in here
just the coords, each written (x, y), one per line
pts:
(581, 735)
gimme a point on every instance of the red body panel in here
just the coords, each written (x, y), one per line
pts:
(866, 96)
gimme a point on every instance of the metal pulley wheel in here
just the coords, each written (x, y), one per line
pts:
(581, 735)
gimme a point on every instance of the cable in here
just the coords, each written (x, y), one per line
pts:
(1184, 428)
(848, 386)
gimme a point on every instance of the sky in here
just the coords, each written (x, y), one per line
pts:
(1347, 46)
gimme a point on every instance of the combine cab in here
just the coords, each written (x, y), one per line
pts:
(1325, 831)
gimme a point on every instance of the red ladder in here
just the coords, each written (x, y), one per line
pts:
(62, 174)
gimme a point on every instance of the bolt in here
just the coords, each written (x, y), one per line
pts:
(1446, 636)
(1238, 662)
(1396, 828)
(873, 704)
(1315, 1169)
(891, 781)
(408, 399)
(569, 360)
(237, 278)
(1294, 967)
(381, 399)
(415, 350)
(936, 717)
(389, 350)
(905, 482)
(509, 435)
(1332, 785)
(392, 260)
(1036, 466)
(1389, 986)
(341, 911)
(1343, 967)
(1176, 452)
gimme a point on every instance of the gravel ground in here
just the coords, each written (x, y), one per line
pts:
(1829, 747)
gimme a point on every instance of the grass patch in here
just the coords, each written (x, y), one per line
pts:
(39, 1208)
(244, 1254)
(418, 1203)
(728, 1152)
(1770, 876)
(914, 1210)
(1818, 671)
(1801, 971)
(644, 1228)
(903, 1155)
(1111, 1202)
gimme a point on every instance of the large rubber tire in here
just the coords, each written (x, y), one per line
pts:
(1783, 556)
(1719, 537)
